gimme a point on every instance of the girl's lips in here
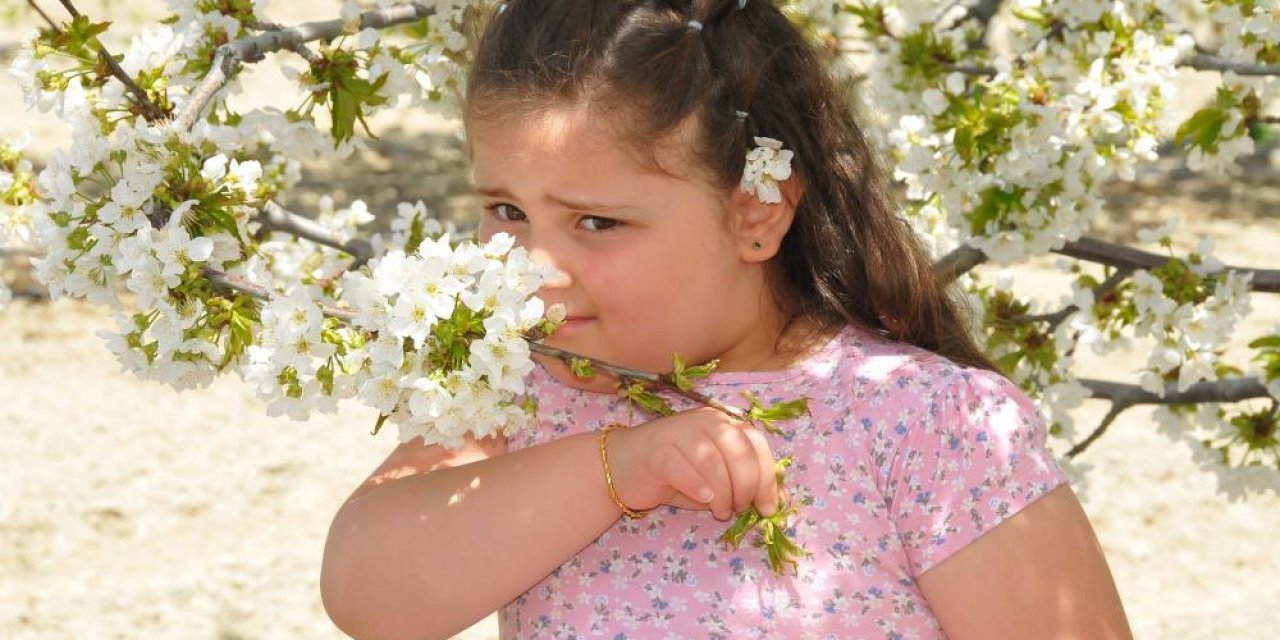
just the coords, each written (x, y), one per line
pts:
(573, 324)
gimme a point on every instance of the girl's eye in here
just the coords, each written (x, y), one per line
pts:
(507, 213)
(596, 223)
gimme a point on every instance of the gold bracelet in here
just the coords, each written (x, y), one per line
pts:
(608, 477)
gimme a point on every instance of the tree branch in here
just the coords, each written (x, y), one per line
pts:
(231, 56)
(964, 259)
(1209, 62)
(1098, 432)
(983, 13)
(52, 25)
(1227, 390)
(627, 375)
(1058, 317)
(228, 283)
(960, 261)
(149, 110)
(276, 218)
(1199, 61)
(1125, 396)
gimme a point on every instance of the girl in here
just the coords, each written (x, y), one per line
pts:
(611, 138)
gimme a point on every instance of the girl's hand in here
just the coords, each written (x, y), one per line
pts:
(697, 459)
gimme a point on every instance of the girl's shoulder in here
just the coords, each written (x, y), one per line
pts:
(858, 356)
(862, 372)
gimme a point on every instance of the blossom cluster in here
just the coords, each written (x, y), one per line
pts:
(17, 195)
(1007, 153)
(431, 332)
(1000, 148)
(1005, 146)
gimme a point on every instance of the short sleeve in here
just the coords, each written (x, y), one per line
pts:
(974, 458)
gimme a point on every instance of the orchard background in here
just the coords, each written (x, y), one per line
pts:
(129, 510)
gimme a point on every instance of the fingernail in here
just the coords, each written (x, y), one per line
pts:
(706, 495)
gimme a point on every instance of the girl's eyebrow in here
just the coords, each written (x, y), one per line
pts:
(499, 192)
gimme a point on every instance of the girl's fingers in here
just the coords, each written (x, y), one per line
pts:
(766, 497)
(710, 463)
(681, 474)
(743, 462)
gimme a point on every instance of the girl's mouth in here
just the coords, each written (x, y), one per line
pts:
(573, 324)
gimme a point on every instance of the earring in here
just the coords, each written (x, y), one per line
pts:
(757, 245)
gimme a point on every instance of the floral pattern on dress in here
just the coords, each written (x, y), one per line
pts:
(904, 459)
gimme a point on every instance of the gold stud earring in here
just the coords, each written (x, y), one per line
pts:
(757, 245)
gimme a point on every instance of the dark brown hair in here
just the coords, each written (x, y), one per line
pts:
(848, 257)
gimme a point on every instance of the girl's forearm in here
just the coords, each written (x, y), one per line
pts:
(426, 555)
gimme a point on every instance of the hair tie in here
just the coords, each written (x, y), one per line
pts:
(502, 7)
(742, 4)
(740, 114)
(694, 25)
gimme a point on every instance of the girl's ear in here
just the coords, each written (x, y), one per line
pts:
(759, 227)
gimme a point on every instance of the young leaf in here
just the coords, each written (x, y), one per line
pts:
(767, 416)
(636, 394)
(382, 419)
(581, 367)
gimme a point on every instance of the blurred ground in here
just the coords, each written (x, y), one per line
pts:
(130, 511)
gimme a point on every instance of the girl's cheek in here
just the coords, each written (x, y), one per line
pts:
(485, 231)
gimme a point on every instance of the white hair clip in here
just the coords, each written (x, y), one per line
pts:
(767, 165)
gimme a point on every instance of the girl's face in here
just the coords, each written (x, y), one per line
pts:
(651, 265)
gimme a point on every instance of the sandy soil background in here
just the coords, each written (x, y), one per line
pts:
(130, 511)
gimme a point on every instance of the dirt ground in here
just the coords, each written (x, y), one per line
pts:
(128, 510)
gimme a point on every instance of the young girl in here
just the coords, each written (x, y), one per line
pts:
(611, 138)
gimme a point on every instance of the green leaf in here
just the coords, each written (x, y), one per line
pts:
(636, 394)
(1203, 128)
(417, 234)
(781, 411)
(745, 522)
(325, 375)
(581, 367)
(781, 552)
(348, 94)
(682, 376)
(1268, 342)
(382, 419)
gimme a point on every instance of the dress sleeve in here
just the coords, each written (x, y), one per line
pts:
(975, 457)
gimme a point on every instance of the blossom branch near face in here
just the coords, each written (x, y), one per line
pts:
(1001, 157)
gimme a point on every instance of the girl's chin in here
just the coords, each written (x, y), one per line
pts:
(598, 383)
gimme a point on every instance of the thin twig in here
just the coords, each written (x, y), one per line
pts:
(1058, 317)
(1209, 62)
(1099, 431)
(971, 70)
(1125, 396)
(276, 218)
(982, 13)
(52, 25)
(634, 375)
(150, 111)
(229, 283)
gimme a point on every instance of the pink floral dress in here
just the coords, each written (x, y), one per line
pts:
(905, 459)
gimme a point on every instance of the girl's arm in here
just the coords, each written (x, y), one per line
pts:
(1040, 575)
(434, 540)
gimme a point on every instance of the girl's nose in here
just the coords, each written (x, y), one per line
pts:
(542, 255)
